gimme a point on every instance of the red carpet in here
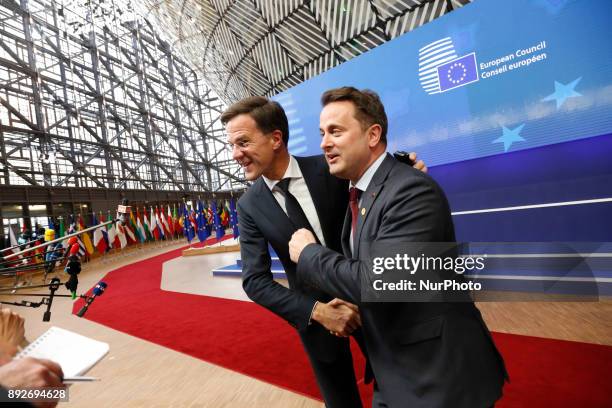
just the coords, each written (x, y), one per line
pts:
(244, 337)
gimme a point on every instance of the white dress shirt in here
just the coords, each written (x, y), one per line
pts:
(299, 189)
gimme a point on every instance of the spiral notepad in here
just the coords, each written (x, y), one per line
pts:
(76, 354)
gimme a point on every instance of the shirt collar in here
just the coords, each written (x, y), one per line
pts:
(363, 183)
(293, 171)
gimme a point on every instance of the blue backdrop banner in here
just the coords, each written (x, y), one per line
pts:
(491, 78)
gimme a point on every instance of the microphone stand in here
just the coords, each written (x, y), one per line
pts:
(47, 299)
(53, 286)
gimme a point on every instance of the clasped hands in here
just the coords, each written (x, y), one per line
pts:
(338, 316)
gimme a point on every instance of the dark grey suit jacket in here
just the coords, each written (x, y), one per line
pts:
(263, 221)
(434, 354)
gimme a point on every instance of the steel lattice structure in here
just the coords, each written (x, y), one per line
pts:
(91, 96)
(263, 47)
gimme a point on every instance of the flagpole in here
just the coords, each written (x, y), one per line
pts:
(106, 249)
(171, 238)
(140, 242)
(185, 213)
(173, 223)
(87, 254)
(119, 251)
(195, 231)
(111, 244)
(145, 228)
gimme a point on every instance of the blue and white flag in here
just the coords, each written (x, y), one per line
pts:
(458, 72)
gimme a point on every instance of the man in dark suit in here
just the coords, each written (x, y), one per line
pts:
(423, 354)
(290, 193)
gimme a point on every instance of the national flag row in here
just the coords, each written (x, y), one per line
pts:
(202, 220)
(159, 223)
(199, 220)
(196, 220)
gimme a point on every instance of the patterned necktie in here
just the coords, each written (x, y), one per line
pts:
(354, 194)
(294, 209)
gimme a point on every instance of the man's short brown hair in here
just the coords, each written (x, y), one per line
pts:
(268, 114)
(369, 110)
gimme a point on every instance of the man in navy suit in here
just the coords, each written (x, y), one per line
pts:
(423, 354)
(291, 193)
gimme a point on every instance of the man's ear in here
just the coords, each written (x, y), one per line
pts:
(277, 139)
(374, 134)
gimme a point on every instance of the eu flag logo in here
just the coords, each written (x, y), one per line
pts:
(458, 72)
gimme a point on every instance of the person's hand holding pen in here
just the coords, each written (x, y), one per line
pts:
(32, 373)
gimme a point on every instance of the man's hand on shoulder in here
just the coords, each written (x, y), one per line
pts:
(340, 317)
(418, 164)
(411, 159)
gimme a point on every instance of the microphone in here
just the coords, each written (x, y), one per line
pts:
(98, 290)
(74, 249)
(73, 268)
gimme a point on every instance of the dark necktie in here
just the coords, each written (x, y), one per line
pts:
(354, 194)
(294, 209)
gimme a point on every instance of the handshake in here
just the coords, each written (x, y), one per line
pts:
(340, 317)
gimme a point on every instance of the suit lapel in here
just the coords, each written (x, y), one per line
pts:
(368, 198)
(271, 209)
(318, 187)
(346, 234)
